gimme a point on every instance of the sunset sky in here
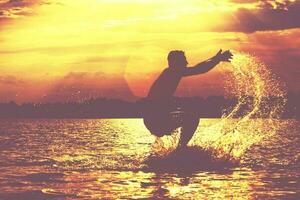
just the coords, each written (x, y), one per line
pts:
(61, 50)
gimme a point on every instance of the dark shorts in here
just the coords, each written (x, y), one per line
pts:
(164, 123)
(160, 124)
(162, 118)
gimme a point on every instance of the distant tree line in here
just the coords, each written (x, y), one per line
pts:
(210, 107)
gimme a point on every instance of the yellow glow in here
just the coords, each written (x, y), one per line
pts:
(64, 37)
(117, 38)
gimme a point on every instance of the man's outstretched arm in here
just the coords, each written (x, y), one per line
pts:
(209, 64)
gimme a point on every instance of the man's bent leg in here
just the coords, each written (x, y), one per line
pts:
(189, 126)
(160, 125)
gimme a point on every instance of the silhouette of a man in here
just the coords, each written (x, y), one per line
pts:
(160, 121)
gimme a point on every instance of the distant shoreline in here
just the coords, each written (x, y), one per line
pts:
(102, 108)
(89, 118)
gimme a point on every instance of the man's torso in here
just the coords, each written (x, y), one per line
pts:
(165, 85)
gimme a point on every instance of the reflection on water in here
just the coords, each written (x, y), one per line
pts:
(92, 159)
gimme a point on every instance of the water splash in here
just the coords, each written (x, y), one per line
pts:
(260, 101)
(165, 145)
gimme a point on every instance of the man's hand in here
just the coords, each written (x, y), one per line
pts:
(223, 56)
(209, 64)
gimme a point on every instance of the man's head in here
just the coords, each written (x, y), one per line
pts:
(177, 59)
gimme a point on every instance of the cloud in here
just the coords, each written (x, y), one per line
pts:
(100, 59)
(74, 86)
(10, 80)
(14, 88)
(244, 1)
(13, 9)
(80, 86)
(268, 15)
(280, 51)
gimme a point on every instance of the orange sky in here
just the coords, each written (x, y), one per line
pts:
(58, 50)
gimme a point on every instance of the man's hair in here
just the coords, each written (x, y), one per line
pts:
(175, 56)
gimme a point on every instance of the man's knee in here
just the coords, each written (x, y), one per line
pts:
(191, 119)
(158, 127)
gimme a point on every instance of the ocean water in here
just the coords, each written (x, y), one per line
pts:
(120, 159)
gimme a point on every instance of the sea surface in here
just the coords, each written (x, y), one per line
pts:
(113, 159)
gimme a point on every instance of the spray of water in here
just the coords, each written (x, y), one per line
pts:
(260, 101)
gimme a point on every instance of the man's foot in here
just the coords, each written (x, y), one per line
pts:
(181, 148)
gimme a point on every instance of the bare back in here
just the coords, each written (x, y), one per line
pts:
(165, 85)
